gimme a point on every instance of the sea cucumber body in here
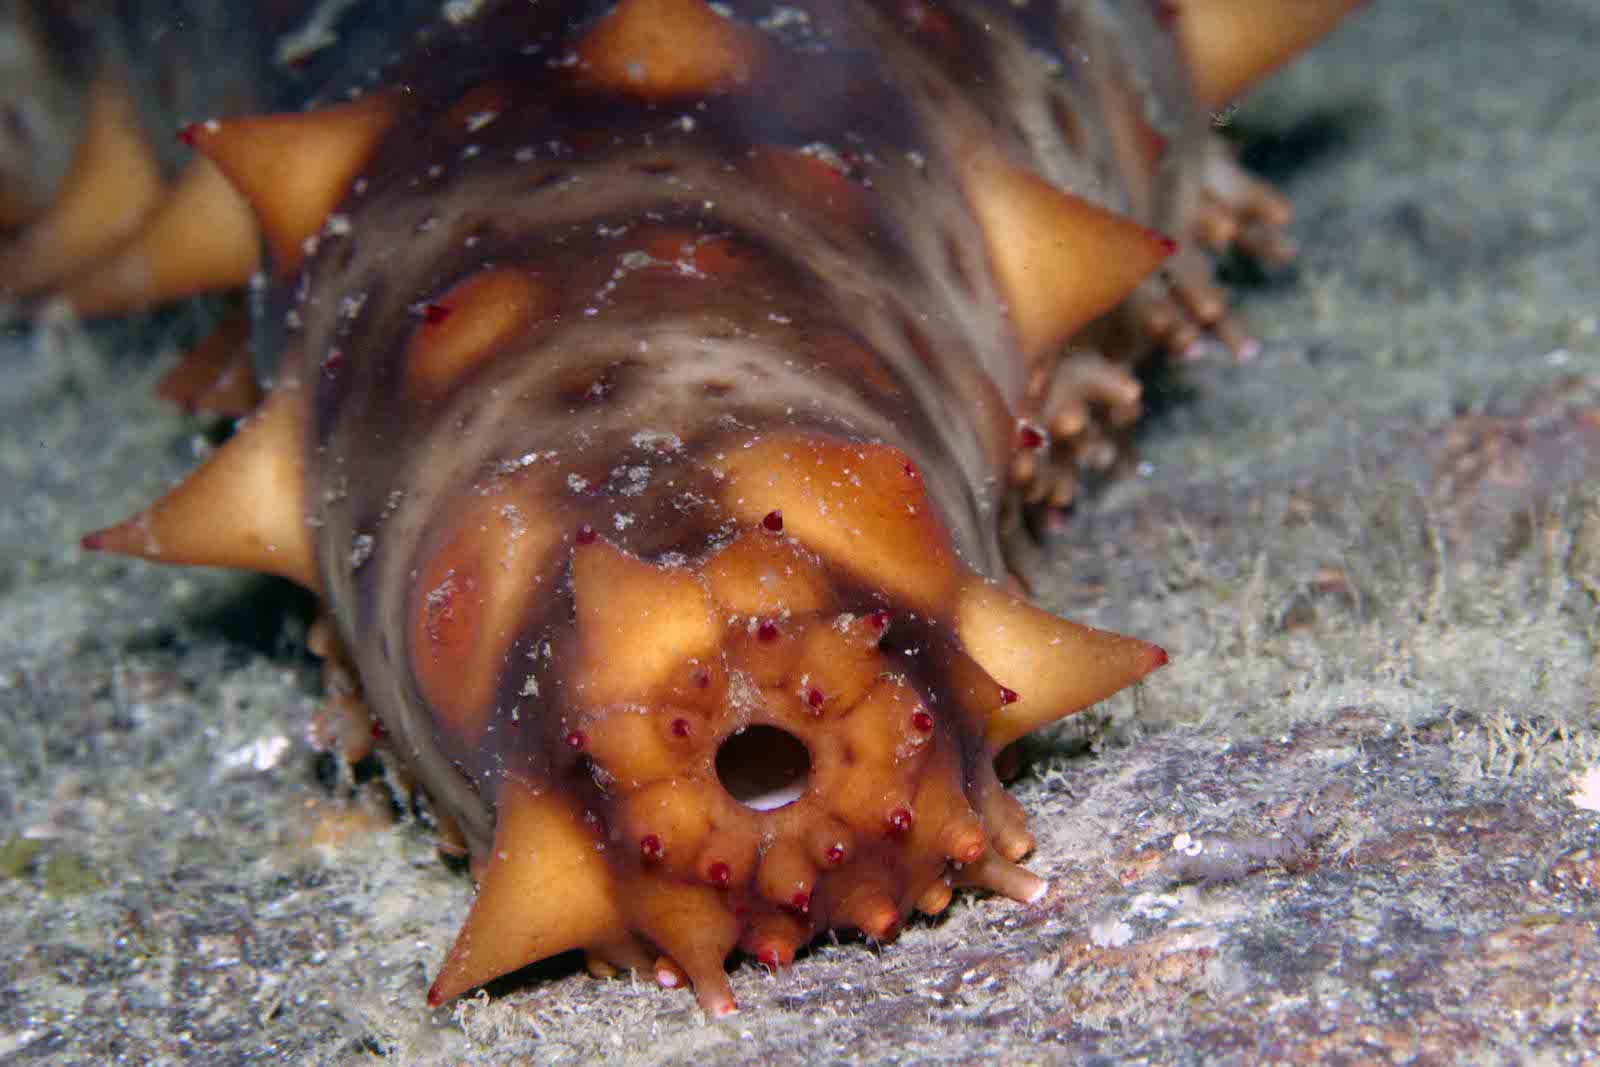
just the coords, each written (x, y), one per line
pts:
(647, 385)
(871, 316)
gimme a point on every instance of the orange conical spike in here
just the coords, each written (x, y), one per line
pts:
(1232, 44)
(546, 889)
(660, 49)
(1060, 261)
(245, 508)
(201, 239)
(1056, 667)
(295, 168)
(112, 186)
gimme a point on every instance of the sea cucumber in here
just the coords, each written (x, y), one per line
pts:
(644, 391)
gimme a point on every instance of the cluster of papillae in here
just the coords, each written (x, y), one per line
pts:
(778, 764)
(794, 733)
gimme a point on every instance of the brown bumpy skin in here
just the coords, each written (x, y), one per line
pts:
(646, 382)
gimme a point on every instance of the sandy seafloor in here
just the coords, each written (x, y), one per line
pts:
(1372, 554)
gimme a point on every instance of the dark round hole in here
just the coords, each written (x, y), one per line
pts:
(763, 767)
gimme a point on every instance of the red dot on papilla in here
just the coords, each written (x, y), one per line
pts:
(680, 727)
(586, 534)
(911, 471)
(434, 314)
(800, 903)
(1008, 696)
(189, 134)
(900, 821)
(767, 631)
(773, 522)
(922, 722)
(835, 853)
(879, 620)
(720, 875)
(650, 847)
(435, 997)
(378, 732)
(814, 698)
(577, 739)
(1029, 436)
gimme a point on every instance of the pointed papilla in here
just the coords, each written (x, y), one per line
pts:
(112, 186)
(243, 508)
(1055, 667)
(1060, 261)
(546, 889)
(201, 239)
(1232, 44)
(295, 168)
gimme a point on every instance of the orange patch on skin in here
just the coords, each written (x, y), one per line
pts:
(295, 168)
(469, 324)
(862, 507)
(471, 599)
(637, 624)
(664, 49)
